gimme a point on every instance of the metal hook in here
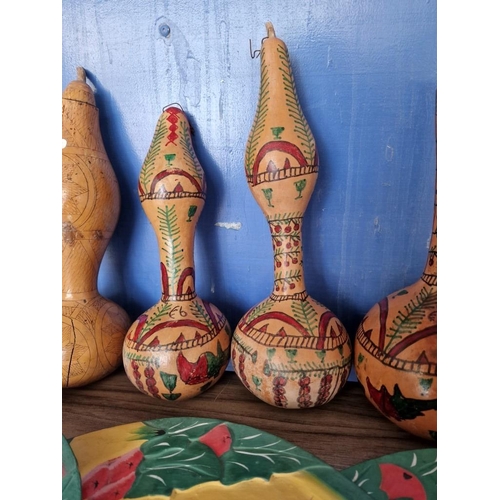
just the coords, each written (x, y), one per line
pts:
(256, 53)
(173, 104)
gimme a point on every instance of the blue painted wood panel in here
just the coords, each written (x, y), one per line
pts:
(365, 73)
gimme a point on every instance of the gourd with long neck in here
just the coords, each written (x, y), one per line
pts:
(93, 327)
(179, 347)
(289, 350)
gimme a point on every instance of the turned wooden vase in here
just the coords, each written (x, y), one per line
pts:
(93, 327)
(289, 350)
(179, 347)
(395, 352)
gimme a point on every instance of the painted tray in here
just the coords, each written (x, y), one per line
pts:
(189, 458)
(71, 486)
(410, 475)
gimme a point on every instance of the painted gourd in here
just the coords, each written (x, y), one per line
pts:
(395, 352)
(93, 327)
(179, 347)
(289, 350)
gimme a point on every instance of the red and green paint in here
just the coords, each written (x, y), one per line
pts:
(304, 157)
(179, 453)
(287, 250)
(405, 329)
(170, 129)
(201, 319)
(409, 475)
(71, 482)
(112, 479)
(397, 406)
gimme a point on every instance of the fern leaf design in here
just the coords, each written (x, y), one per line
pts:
(246, 348)
(294, 110)
(201, 313)
(288, 277)
(144, 360)
(286, 217)
(305, 314)
(310, 369)
(408, 321)
(259, 119)
(148, 165)
(156, 318)
(171, 236)
(261, 308)
(189, 155)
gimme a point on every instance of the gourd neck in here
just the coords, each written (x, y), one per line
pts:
(286, 235)
(176, 263)
(429, 275)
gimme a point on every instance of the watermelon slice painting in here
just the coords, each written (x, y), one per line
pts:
(409, 475)
(188, 458)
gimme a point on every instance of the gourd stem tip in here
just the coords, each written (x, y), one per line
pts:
(80, 73)
(270, 29)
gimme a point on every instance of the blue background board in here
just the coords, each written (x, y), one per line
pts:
(365, 73)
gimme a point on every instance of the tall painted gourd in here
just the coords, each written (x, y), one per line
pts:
(395, 352)
(179, 347)
(93, 327)
(289, 350)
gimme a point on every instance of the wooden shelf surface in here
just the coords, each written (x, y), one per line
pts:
(344, 432)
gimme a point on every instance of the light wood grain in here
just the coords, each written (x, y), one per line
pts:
(343, 432)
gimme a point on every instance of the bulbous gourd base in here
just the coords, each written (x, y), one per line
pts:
(291, 353)
(176, 350)
(93, 329)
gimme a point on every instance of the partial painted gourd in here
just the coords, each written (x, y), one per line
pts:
(395, 352)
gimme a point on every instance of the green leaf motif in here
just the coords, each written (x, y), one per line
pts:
(171, 236)
(172, 396)
(169, 380)
(321, 355)
(305, 314)
(294, 110)
(259, 119)
(71, 482)
(409, 319)
(147, 169)
(191, 211)
(257, 381)
(425, 384)
(215, 363)
(259, 309)
(189, 155)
